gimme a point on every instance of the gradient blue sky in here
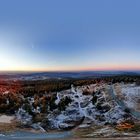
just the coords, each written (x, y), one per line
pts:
(69, 35)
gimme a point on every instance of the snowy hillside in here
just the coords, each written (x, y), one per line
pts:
(79, 106)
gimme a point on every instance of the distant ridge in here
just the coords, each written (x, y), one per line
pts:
(62, 75)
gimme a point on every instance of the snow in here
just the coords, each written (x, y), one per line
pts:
(80, 108)
(6, 119)
(131, 94)
(58, 99)
(23, 116)
(88, 110)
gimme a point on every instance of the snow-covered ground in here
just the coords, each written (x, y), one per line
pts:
(131, 94)
(89, 105)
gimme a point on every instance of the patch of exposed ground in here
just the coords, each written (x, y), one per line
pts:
(7, 123)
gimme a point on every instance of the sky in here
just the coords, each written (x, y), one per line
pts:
(69, 35)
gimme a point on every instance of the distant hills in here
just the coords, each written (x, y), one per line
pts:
(62, 75)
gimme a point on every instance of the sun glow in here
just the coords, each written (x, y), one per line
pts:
(13, 59)
(9, 62)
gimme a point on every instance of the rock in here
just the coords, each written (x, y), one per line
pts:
(24, 117)
(84, 104)
(76, 96)
(65, 126)
(105, 108)
(71, 112)
(70, 124)
(87, 121)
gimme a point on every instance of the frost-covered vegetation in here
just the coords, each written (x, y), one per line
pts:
(66, 104)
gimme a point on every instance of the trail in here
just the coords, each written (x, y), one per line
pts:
(134, 113)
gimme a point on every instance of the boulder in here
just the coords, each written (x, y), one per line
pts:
(70, 124)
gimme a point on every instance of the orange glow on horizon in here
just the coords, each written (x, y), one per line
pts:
(96, 68)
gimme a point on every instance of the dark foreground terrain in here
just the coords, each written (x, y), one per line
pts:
(82, 107)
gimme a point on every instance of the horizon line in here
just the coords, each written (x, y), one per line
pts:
(42, 71)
